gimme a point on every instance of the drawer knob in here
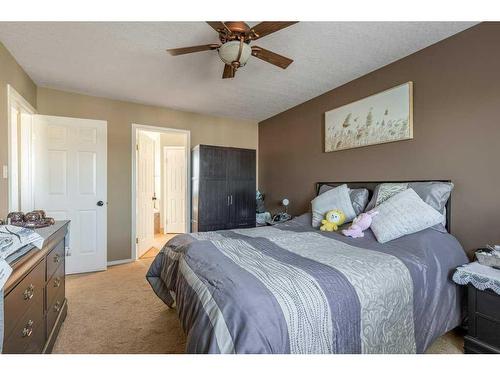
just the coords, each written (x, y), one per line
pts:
(57, 258)
(57, 306)
(28, 330)
(57, 282)
(29, 292)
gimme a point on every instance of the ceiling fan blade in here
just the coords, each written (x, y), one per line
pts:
(219, 26)
(183, 51)
(229, 71)
(266, 28)
(271, 57)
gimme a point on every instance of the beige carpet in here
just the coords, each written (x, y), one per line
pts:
(116, 311)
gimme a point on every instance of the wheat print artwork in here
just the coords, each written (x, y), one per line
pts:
(381, 118)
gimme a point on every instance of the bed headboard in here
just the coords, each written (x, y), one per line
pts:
(370, 185)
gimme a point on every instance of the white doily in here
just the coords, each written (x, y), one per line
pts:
(482, 277)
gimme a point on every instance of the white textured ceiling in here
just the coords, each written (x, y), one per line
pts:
(127, 61)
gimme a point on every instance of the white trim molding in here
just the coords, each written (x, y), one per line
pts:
(118, 262)
(16, 137)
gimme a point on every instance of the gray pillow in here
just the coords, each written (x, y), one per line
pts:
(336, 198)
(359, 197)
(434, 193)
(402, 214)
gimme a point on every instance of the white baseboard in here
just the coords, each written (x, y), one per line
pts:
(121, 261)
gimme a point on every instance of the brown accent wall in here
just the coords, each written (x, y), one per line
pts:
(120, 116)
(456, 134)
(10, 73)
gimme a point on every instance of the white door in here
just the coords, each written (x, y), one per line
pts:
(70, 184)
(175, 189)
(145, 192)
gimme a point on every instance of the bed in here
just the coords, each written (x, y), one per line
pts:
(291, 288)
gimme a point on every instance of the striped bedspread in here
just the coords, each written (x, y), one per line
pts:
(292, 289)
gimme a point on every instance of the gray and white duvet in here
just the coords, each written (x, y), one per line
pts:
(293, 289)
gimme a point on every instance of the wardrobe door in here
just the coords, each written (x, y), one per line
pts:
(241, 186)
(213, 201)
(241, 164)
(213, 162)
(213, 205)
(242, 204)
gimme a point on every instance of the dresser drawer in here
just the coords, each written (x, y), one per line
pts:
(54, 259)
(488, 304)
(55, 283)
(54, 308)
(25, 294)
(28, 335)
(488, 331)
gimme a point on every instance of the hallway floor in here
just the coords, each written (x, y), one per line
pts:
(160, 240)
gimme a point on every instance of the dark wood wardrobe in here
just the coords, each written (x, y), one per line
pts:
(223, 188)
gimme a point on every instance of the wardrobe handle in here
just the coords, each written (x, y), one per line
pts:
(228, 200)
(231, 199)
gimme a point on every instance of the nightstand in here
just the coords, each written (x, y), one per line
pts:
(284, 217)
(483, 296)
(270, 222)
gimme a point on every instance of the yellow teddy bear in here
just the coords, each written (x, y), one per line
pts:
(333, 219)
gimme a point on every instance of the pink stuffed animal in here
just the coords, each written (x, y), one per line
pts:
(361, 223)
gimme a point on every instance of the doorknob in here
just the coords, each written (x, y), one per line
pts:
(100, 203)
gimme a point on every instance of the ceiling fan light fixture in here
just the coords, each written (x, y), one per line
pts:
(230, 51)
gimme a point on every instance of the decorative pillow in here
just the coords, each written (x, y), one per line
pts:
(403, 214)
(359, 197)
(336, 198)
(383, 192)
(434, 193)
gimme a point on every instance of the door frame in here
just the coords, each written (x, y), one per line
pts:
(157, 129)
(164, 192)
(14, 99)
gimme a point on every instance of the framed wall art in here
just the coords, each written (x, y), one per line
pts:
(380, 118)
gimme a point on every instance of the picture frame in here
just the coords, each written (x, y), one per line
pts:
(380, 118)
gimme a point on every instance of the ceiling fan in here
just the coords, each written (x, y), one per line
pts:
(234, 49)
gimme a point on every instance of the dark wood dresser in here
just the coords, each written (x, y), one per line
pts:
(483, 334)
(34, 296)
(223, 188)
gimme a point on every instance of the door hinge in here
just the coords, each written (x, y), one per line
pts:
(137, 147)
(137, 240)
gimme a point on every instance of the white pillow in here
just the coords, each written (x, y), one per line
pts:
(334, 199)
(403, 214)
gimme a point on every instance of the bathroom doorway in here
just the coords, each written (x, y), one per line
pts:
(161, 187)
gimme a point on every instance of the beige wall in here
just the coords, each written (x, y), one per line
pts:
(172, 139)
(120, 115)
(456, 134)
(10, 73)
